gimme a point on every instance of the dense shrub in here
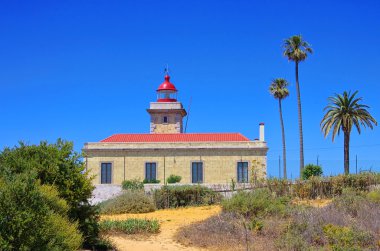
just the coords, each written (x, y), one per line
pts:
(151, 181)
(130, 226)
(59, 165)
(128, 202)
(134, 184)
(33, 217)
(374, 196)
(346, 238)
(257, 203)
(186, 195)
(311, 170)
(173, 179)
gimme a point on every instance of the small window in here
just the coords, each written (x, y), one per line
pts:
(165, 119)
(197, 172)
(150, 171)
(242, 172)
(106, 173)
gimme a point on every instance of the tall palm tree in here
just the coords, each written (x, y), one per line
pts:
(344, 111)
(278, 88)
(296, 49)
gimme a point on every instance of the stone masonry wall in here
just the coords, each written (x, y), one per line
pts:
(220, 165)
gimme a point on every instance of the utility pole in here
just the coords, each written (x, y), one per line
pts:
(317, 160)
(164, 171)
(356, 164)
(279, 166)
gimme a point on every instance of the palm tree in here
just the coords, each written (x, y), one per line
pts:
(297, 50)
(278, 88)
(344, 111)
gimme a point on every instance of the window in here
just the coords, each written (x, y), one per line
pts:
(150, 171)
(165, 119)
(242, 172)
(197, 172)
(106, 173)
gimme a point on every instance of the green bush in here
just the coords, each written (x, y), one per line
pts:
(255, 225)
(130, 201)
(186, 195)
(134, 184)
(257, 203)
(345, 238)
(151, 181)
(374, 196)
(311, 170)
(130, 226)
(58, 165)
(173, 179)
(33, 217)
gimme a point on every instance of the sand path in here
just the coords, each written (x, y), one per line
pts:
(171, 220)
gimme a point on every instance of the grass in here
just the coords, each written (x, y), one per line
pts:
(130, 226)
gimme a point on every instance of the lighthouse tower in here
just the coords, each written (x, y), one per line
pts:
(166, 114)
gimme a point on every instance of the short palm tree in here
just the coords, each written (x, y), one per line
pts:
(296, 49)
(278, 88)
(343, 112)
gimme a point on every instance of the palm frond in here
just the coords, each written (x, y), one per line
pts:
(345, 111)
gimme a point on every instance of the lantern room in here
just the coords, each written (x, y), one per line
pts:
(167, 92)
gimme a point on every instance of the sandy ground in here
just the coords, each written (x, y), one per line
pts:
(313, 203)
(171, 220)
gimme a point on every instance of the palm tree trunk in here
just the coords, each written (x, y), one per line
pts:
(346, 152)
(283, 138)
(299, 120)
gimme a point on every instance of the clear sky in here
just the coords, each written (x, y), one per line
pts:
(83, 70)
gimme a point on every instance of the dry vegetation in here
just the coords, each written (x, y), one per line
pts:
(254, 221)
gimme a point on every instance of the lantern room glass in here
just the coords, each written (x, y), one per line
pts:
(167, 96)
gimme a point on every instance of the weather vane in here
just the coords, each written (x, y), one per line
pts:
(166, 69)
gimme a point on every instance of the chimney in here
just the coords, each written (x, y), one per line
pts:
(262, 138)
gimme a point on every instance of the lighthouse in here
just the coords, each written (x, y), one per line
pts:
(166, 114)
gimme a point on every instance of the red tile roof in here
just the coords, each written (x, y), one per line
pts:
(176, 137)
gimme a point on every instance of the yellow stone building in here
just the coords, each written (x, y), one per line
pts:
(210, 158)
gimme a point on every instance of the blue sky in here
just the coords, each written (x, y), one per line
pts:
(83, 70)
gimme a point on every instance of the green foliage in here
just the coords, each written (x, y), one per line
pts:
(134, 184)
(151, 181)
(278, 88)
(57, 164)
(255, 225)
(374, 196)
(311, 170)
(345, 238)
(130, 201)
(173, 179)
(186, 195)
(257, 203)
(130, 226)
(33, 217)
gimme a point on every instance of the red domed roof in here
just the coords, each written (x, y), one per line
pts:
(166, 85)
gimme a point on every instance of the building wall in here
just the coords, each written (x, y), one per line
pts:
(220, 165)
